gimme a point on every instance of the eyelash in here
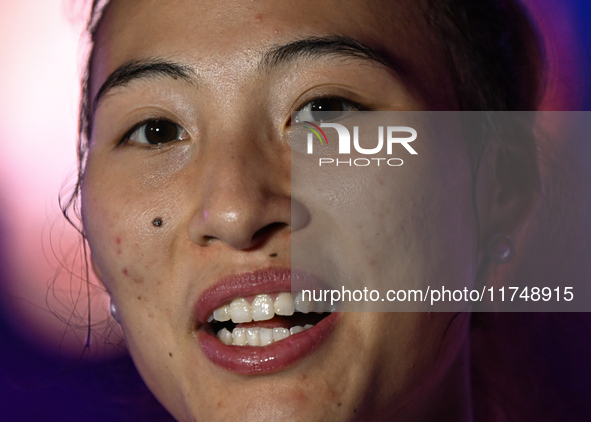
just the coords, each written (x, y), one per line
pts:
(126, 138)
(351, 105)
(354, 106)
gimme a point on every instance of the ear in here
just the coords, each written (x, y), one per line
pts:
(508, 185)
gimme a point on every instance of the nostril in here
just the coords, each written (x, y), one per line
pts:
(208, 239)
(262, 235)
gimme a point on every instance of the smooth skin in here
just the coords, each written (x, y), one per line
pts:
(228, 176)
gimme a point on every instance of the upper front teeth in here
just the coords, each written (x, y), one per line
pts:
(240, 310)
(284, 304)
(263, 308)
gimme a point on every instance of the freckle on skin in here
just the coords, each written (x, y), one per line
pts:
(300, 397)
(170, 354)
(139, 298)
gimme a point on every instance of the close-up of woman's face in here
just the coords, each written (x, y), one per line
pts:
(187, 205)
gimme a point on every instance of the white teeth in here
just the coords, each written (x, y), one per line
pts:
(239, 337)
(262, 308)
(222, 314)
(225, 336)
(252, 336)
(301, 305)
(296, 329)
(258, 336)
(319, 307)
(266, 336)
(280, 333)
(240, 310)
(284, 304)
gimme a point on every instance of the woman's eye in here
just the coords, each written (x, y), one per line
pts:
(157, 132)
(325, 109)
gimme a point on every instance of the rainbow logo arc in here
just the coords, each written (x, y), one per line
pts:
(317, 129)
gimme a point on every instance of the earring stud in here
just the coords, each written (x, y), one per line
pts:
(113, 311)
(501, 248)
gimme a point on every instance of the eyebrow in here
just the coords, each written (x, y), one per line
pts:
(315, 47)
(275, 57)
(140, 69)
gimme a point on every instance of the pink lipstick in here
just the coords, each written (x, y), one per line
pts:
(249, 323)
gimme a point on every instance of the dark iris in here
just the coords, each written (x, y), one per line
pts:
(327, 108)
(160, 132)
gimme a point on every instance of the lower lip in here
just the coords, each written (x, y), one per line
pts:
(258, 360)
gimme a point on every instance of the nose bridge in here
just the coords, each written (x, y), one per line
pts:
(231, 179)
(243, 189)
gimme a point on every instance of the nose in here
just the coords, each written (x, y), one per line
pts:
(244, 196)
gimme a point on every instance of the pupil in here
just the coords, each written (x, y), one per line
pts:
(160, 132)
(326, 109)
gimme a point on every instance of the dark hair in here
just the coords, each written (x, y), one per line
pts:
(493, 50)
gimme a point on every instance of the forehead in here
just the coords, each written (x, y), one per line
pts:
(227, 38)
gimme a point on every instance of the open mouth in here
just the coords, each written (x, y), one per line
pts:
(250, 323)
(264, 319)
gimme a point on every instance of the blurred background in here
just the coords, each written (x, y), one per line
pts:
(46, 372)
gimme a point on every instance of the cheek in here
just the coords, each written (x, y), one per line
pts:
(135, 258)
(118, 230)
(130, 212)
(384, 227)
(425, 222)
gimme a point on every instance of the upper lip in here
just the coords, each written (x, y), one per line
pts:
(266, 280)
